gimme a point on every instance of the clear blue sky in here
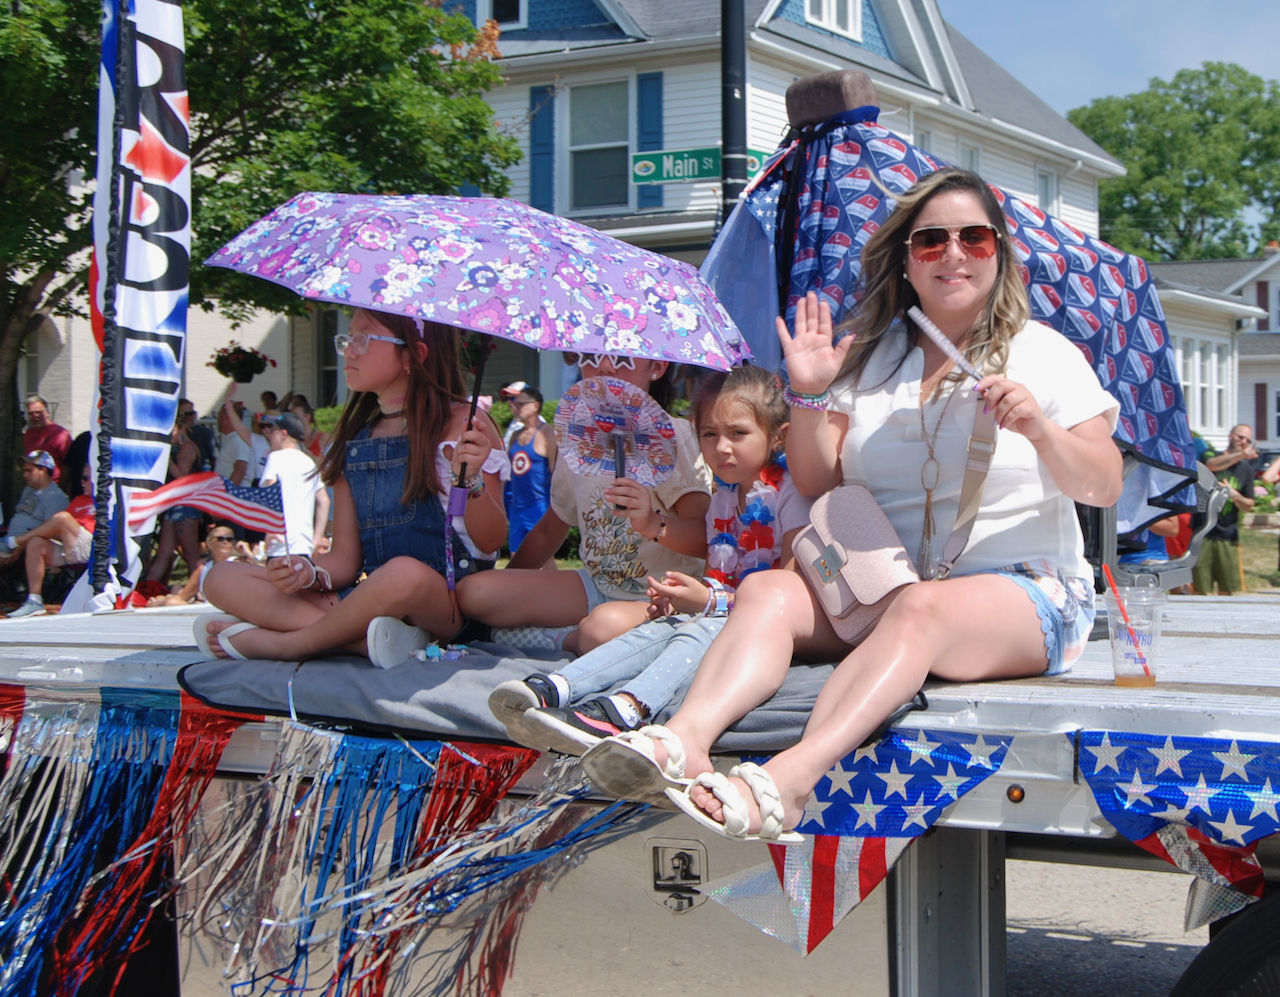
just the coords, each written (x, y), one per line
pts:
(1070, 51)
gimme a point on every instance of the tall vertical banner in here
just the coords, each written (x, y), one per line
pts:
(140, 270)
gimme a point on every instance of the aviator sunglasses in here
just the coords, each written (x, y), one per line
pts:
(928, 245)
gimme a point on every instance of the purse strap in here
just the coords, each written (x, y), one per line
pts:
(982, 448)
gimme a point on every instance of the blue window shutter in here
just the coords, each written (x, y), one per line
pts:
(542, 148)
(649, 130)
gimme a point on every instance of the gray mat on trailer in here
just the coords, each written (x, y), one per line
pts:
(450, 698)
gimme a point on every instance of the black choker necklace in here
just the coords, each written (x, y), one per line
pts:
(392, 415)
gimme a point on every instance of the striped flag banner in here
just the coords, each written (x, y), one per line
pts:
(138, 276)
(253, 508)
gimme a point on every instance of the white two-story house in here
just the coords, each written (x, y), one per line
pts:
(589, 82)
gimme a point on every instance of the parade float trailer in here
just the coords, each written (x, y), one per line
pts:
(1068, 759)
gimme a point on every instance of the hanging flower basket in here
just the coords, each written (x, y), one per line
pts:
(240, 363)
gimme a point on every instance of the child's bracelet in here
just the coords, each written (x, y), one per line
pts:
(662, 529)
(817, 403)
(474, 484)
(717, 599)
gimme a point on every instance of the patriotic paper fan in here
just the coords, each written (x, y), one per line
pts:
(596, 413)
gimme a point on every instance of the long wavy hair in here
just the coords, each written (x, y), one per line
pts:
(434, 384)
(886, 294)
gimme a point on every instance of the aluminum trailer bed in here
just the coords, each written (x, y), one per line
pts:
(1218, 675)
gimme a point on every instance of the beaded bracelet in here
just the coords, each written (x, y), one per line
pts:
(817, 403)
(474, 484)
(662, 529)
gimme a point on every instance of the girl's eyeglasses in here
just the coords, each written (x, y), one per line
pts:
(596, 359)
(928, 245)
(358, 342)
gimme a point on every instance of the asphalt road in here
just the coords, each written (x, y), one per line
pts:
(1076, 931)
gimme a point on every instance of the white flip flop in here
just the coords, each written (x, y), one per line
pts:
(392, 642)
(625, 766)
(767, 797)
(206, 640)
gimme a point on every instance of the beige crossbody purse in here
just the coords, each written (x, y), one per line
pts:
(851, 555)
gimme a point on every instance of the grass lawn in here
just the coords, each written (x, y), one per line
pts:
(1258, 553)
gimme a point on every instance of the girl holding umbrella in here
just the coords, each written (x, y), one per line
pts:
(402, 440)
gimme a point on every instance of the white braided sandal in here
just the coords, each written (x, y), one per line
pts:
(736, 815)
(625, 766)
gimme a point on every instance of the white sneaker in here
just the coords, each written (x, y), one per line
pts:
(29, 608)
(533, 638)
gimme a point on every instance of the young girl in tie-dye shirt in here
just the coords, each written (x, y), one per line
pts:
(755, 512)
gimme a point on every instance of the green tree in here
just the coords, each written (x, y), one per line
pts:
(374, 96)
(1201, 150)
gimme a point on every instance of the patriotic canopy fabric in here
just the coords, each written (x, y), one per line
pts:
(489, 265)
(832, 189)
(595, 411)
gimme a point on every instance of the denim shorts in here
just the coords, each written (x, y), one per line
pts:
(180, 512)
(1064, 604)
(594, 596)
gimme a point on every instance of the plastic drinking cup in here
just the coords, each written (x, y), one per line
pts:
(1135, 647)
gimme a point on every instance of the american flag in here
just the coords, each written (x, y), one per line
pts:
(1201, 803)
(254, 508)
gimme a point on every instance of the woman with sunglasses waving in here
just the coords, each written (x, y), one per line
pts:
(401, 441)
(629, 532)
(889, 409)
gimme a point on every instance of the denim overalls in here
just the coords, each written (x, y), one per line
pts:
(375, 471)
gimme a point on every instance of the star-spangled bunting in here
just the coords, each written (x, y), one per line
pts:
(900, 786)
(1201, 803)
(862, 816)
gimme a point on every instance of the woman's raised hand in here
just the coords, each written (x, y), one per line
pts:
(813, 361)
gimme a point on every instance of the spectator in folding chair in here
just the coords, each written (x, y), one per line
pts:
(64, 538)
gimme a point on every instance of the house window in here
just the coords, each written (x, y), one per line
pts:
(511, 15)
(1206, 372)
(924, 139)
(599, 143)
(844, 17)
(1188, 361)
(1047, 190)
(1220, 385)
(970, 158)
(329, 323)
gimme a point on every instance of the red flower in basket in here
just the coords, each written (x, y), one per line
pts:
(240, 363)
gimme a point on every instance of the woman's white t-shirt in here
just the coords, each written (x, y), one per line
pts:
(1024, 516)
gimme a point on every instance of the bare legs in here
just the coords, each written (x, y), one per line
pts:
(301, 626)
(520, 597)
(40, 552)
(965, 629)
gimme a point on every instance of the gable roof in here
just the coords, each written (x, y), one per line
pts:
(1226, 276)
(997, 93)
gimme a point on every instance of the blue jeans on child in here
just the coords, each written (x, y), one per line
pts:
(653, 660)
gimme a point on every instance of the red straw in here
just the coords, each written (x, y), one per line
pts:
(1124, 613)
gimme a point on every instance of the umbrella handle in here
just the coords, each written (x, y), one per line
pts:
(458, 493)
(619, 462)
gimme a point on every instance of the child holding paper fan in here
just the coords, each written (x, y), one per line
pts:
(755, 511)
(629, 531)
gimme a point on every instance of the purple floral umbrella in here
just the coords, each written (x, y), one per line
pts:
(490, 265)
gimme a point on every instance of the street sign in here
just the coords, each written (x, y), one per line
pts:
(685, 165)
